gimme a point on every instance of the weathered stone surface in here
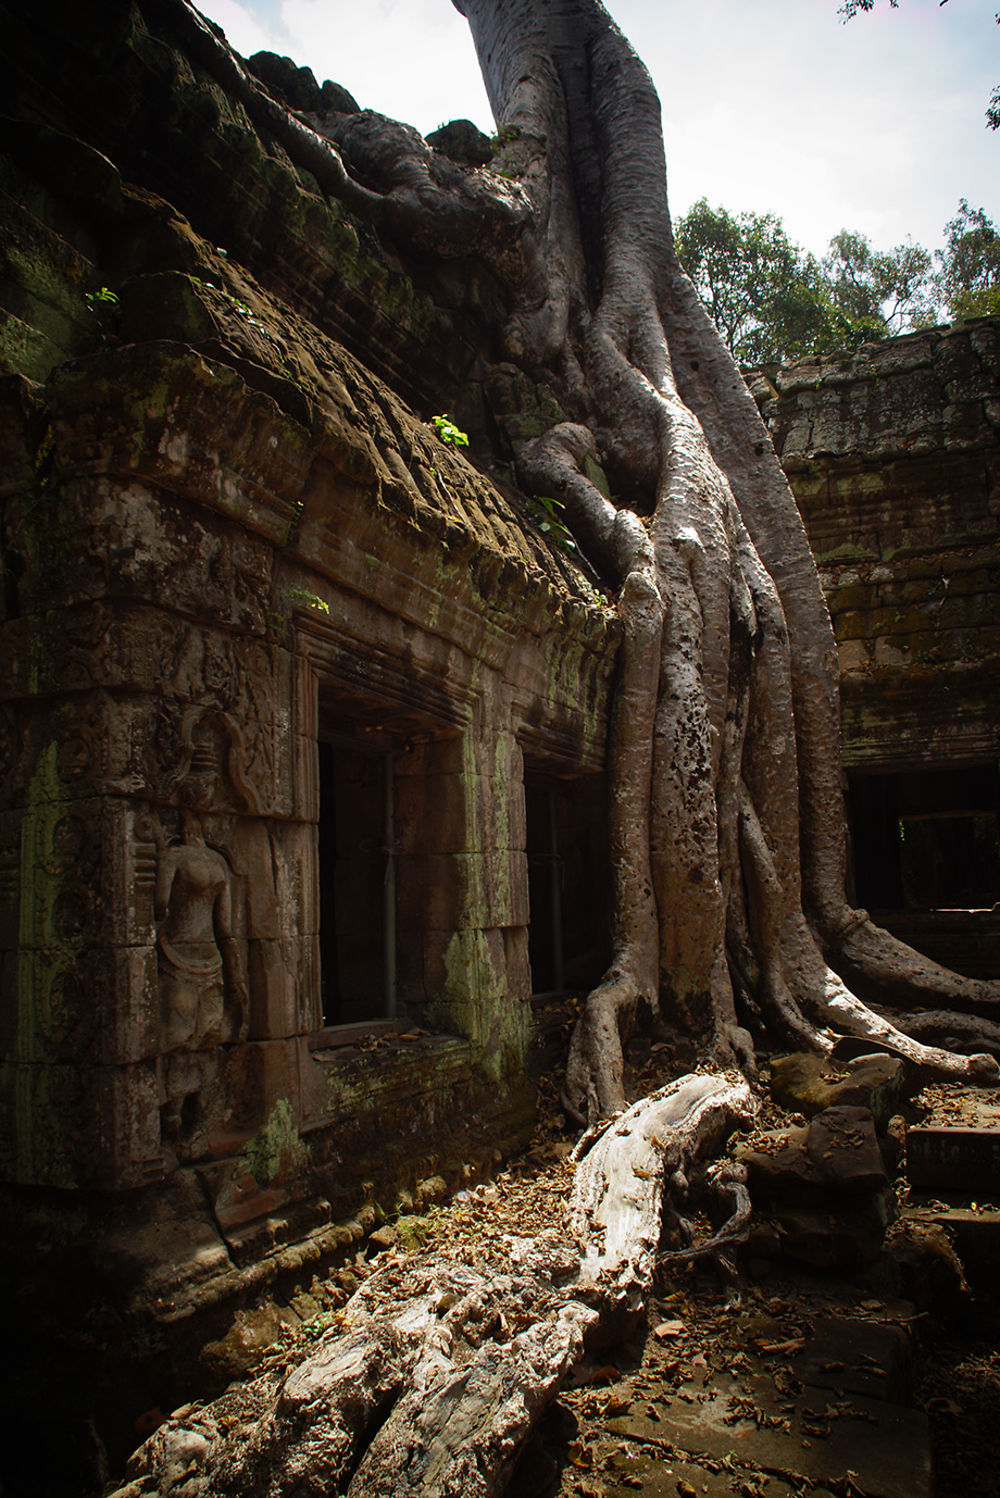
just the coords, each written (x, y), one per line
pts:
(884, 1446)
(875, 1359)
(808, 1084)
(820, 1192)
(954, 1158)
(928, 1270)
(228, 541)
(462, 141)
(294, 86)
(837, 1152)
(846, 1236)
(892, 456)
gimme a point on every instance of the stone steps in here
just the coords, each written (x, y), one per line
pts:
(828, 1409)
(824, 1397)
(957, 1149)
(953, 1168)
(975, 1233)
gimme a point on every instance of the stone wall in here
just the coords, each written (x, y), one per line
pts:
(256, 615)
(894, 457)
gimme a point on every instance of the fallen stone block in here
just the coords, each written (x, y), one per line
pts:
(837, 1152)
(809, 1084)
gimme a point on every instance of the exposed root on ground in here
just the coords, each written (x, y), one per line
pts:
(437, 1371)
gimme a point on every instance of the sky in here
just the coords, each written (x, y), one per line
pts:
(769, 106)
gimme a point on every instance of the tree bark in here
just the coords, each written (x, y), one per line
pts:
(728, 831)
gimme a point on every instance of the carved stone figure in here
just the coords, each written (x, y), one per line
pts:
(203, 988)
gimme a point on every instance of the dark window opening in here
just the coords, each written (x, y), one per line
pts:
(950, 863)
(569, 882)
(927, 840)
(357, 893)
(13, 569)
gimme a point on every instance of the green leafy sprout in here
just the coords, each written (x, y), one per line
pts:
(448, 432)
(312, 600)
(503, 137)
(96, 299)
(547, 515)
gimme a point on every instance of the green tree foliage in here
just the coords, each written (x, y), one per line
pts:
(968, 276)
(764, 294)
(773, 301)
(880, 292)
(850, 9)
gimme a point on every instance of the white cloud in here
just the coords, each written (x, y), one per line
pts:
(244, 30)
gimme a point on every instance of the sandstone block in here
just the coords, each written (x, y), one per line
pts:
(836, 1153)
(809, 1084)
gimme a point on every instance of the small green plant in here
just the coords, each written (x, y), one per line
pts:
(546, 514)
(448, 432)
(97, 299)
(317, 1325)
(103, 303)
(276, 624)
(503, 137)
(303, 595)
(413, 1229)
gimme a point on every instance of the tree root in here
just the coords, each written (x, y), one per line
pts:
(436, 1373)
(886, 971)
(726, 1179)
(946, 1028)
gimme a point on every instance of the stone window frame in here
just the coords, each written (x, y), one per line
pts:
(398, 697)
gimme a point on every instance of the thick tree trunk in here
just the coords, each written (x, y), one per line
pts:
(727, 811)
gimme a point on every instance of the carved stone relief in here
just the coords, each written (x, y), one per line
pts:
(203, 987)
(202, 979)
(198, 757)
(198, 899)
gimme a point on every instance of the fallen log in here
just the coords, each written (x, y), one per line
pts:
(435, 1373)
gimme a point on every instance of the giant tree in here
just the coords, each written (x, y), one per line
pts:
(727, 814)
(727, 821)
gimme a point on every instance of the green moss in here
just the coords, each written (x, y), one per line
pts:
(39, 1098)
(474, 1001)
(413, 1230)
(276, 1152)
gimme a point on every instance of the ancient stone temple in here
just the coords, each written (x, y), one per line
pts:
(303, 709)
(894, 457)
(297, 707)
